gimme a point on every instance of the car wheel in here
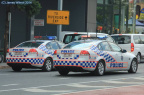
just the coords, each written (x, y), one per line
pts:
(63, 72)
(48, 65)
(17, 69)
(139, 57)
(100, 69)
(133, 67)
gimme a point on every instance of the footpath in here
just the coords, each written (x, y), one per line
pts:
(3, 65)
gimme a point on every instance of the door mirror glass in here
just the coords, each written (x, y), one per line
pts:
(123, 51)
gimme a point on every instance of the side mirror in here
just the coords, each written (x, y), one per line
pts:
(123, 51)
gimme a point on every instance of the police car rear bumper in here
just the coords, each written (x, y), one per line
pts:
(74, 68)
(23, 65)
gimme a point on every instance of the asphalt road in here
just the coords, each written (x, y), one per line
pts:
(36, 82)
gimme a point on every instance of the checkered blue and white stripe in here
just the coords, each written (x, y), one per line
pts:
(83, 64)
(26, 60)
(105, 55)
(24, 54)
(75, 57)
(43, 48)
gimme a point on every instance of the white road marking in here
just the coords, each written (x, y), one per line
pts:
(121, 82)
(64, 78)
(61, 84)
(4, 74)
(42, 90)
(139, 78)
(87, 86)
(10, 85)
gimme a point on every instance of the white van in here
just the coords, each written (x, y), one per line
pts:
(74, 36)
(131, 42)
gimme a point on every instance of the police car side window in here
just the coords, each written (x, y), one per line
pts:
(54, 45)
(48, 46)
(105, 46)
(100, 47)
(115, 47)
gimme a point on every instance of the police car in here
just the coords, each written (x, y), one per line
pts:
(33, 54)
(96, 56)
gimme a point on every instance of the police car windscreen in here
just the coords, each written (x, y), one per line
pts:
(30, 44)
(78, 45)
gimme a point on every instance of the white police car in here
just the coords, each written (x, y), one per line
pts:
(33, 54)
(96, 56)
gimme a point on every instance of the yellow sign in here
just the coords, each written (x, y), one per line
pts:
(57, 17)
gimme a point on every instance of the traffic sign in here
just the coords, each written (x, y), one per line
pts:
(57, 17)
(38, 22)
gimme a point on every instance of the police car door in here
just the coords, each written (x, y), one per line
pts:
(109, 56)
(120, 63)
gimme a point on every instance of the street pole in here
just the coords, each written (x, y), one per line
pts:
(32, 28)
(9, 19)
(59, 27)
(134, 16)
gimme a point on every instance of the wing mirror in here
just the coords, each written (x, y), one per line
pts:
(123, 51)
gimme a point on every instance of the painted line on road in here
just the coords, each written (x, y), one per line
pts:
(42, 90)
(10, 85)
(64, 78)
(4, 74)
(97, 89)
(61, 84)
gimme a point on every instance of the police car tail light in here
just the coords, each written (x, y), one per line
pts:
(7, 50)
(132, 47)
(55, 52)
(84, 52)
(33, 51)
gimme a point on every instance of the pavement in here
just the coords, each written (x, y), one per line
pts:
(3, 65)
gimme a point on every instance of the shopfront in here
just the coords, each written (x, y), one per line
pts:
(113, 16)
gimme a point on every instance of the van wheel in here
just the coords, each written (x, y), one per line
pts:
(48, 65)
(139, 57)
(100, 69)
(133, 67)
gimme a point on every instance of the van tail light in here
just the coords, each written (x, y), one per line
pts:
(132, 47)
(33, 51)
(84, 52)
(55, 52)
(7, 50)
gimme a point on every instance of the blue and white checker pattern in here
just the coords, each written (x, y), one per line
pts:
(105, 55)
(43, 48)
(83, 64)
(24, 54)
(75, 57)
(26, 60)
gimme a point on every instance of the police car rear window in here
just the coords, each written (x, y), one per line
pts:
(122, 39)
(78, 45)
(30, 44)
(71, 37)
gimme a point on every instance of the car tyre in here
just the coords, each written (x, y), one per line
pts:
(48, 65)
(134, 66)
(16, 69)
(139, 57)
(63, 72)
(100, 68)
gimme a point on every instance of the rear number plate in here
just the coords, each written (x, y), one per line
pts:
(67, 55)
(18, 53)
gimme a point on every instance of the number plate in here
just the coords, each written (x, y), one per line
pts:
(67, 55)
(18, 53)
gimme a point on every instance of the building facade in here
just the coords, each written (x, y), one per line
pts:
(107, 16)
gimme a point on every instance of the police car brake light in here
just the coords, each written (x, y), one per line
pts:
(84, 52)
(55, 52)
(51, 37)
(33, 51)
(7, 50)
